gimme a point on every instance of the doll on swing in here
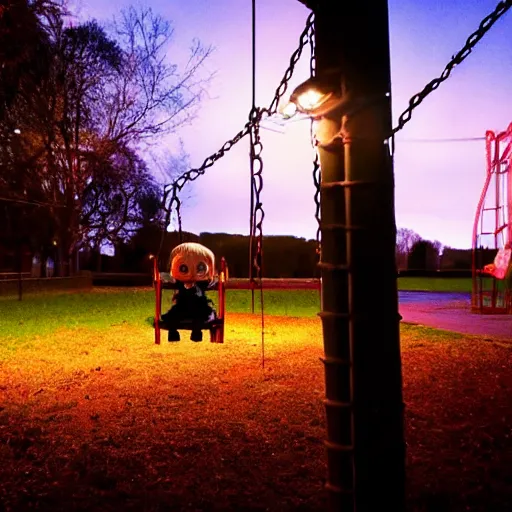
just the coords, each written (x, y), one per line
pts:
(192, 270)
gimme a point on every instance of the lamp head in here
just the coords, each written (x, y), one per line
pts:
(311, 99)
(318, 95)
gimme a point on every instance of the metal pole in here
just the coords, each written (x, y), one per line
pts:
(364, 408)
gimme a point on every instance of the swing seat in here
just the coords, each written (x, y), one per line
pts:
(163, 281)
(215, 326)
(499, 268)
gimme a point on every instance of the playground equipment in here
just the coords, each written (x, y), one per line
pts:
(492, 231)
(215, 326)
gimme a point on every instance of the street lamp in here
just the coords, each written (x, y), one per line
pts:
(315, 97)
(349, 99)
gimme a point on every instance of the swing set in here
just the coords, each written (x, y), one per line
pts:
(498, 299)
(162, 282)
(171, 200)
(492, 231)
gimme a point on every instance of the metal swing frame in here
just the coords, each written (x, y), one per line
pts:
(252, 128)
(493, 226)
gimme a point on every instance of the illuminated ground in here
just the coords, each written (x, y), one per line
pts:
(102, 419)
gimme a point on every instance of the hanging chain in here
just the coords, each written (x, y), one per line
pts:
(251, 208)
(175, 200)
(172, 190)
(305, 38)
(257, 214)
(257, 184)
(283, 86)
(471, 41)
(193, 174)
(317, 177)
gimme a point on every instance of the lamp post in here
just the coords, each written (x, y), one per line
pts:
(364, 408)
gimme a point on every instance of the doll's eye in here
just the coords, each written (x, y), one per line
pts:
(183, 269)
(201, 267)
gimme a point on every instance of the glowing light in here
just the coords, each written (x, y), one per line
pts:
(17, 131)
(318, 95)
(289, 110)
(311, 99)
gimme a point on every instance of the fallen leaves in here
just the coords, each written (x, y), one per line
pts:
(104, 420)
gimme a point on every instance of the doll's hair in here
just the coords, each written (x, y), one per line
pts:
(196, 251)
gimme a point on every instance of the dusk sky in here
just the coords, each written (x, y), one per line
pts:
(438, 184)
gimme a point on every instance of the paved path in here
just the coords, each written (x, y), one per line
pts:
(452, 312)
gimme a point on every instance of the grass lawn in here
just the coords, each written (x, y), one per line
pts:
(95, 417)
(435, 284)
(43, 314)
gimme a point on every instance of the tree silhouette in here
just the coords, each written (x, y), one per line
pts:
(80, 125)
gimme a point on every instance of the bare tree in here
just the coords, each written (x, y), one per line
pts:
(121, 198)
(151, 97)
(118, 200)
(170, 163)
(102, 98)
(405, 240)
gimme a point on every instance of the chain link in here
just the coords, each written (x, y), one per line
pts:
(257, 215)
(317, 176)
(471, 41)
(172, 190)
(193, 174)
(257, 186)
(283, 86)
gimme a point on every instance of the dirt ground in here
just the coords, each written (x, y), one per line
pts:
(106, 420)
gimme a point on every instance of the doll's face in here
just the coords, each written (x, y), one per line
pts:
(189, 268)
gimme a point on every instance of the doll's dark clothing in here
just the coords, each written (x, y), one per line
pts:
(191, 304)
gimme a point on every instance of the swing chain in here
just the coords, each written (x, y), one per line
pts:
(174, 188)
(193, 174)
(175, 200)
(283, 86)
(257, 186)
(316, 162)
(257, 215)
(456, 59)
(171, 191)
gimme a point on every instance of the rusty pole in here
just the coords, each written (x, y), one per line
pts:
(364, 408)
